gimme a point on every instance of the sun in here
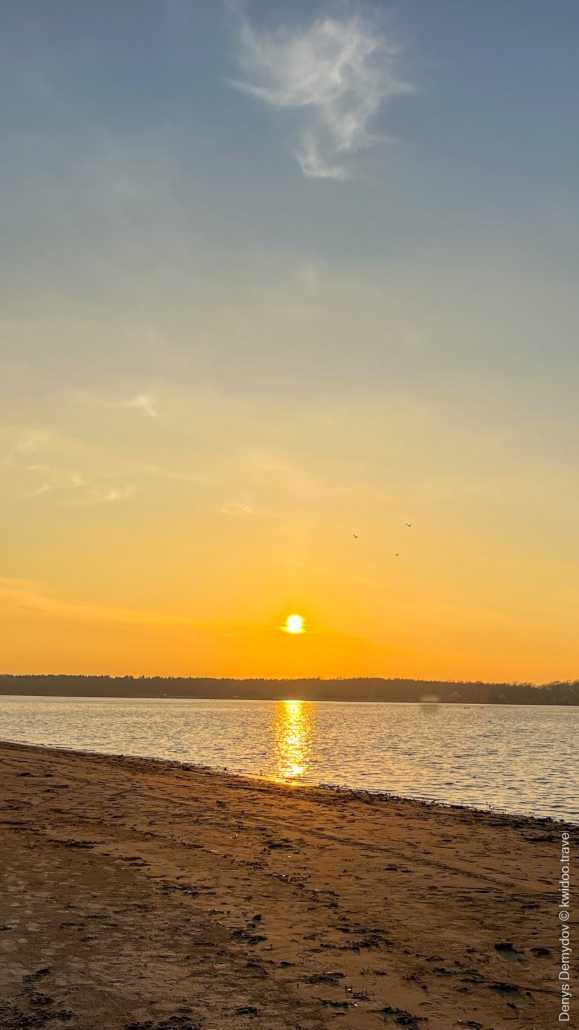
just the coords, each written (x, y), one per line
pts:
(294, 624)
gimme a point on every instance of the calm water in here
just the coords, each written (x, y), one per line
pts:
(511, 757)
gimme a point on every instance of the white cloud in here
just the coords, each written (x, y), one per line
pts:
(337, 72)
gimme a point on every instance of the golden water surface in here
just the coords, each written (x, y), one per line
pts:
(292, 738)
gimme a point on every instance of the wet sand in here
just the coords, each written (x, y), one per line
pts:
(140, 895)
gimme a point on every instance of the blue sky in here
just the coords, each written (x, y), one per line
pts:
(338, 240)
(130, 156)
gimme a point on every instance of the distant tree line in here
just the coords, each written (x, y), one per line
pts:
(560, 692)
(358, 689)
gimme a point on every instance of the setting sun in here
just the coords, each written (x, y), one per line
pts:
(293, 624)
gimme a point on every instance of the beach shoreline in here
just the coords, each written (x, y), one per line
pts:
(339, 788)
(164, 894)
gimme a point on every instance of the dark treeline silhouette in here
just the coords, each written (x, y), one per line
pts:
(362, 689)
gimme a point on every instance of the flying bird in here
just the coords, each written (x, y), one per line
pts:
(355, 535)
(397, 553)
(409, 524)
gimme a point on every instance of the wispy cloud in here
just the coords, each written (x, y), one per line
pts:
(25, 595)
(238, 508)
(336, 72)
(143, 401)
(35, 597)
(46, 458)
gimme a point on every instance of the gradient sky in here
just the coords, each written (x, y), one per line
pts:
(274, 274)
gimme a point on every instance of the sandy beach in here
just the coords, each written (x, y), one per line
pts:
(141, 895)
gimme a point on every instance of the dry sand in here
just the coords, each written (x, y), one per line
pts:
(139, 894)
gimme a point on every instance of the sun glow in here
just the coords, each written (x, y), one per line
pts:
(294, 624)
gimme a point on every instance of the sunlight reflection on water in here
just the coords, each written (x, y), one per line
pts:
(522, 759)
(292, 739)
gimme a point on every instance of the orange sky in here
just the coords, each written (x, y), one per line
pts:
(195, 568)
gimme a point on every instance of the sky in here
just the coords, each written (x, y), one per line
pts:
(289, 325)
